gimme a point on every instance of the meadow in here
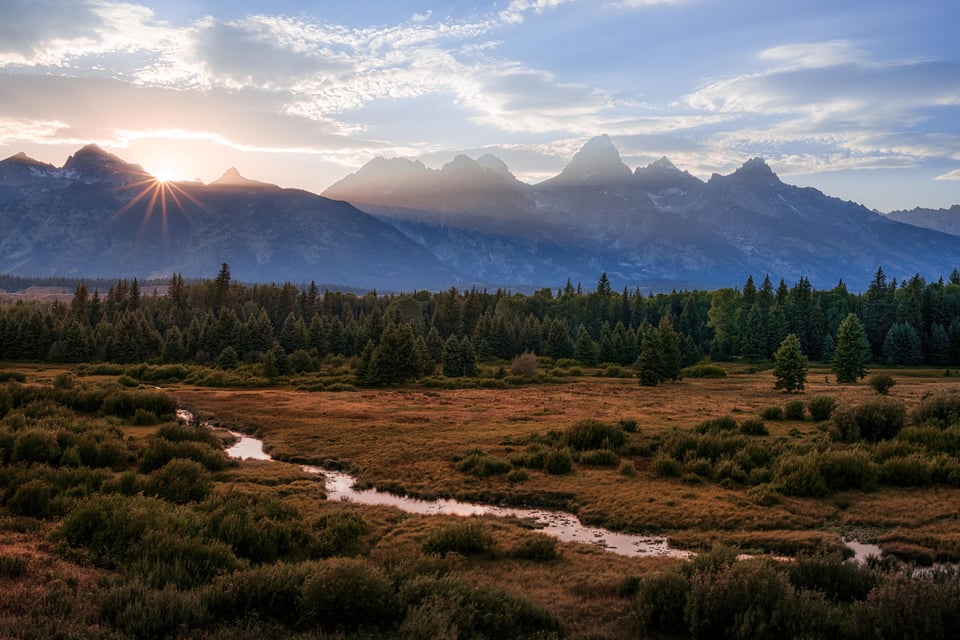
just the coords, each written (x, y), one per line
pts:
(117, 522)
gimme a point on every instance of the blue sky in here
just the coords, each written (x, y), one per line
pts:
(858, 99)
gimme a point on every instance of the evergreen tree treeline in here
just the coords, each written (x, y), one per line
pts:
(910, 322)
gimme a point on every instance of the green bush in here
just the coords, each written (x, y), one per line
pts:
(599, 458)
(180, 481)
(800, 476)
(593, 434)
(163, 557)
(160, 451)
(558, 462)
(32, 499)
(772, 413)
(874, 420)
(793, 410)
(753, 427)
(466, 538)
(260, 528)
(820, 407)
(833, 576)
(914, 470)
(848, 469)
(881, 383)
(144, 418)
(703, 371)
(666, 467)
(12, 566)
(915, 606)
(338, 534)
(660, 603)
(142, 612)
(482, 465)
(35, 445)
(349, 592)
(716, 425)
(629, 425)
(536, 547)
(942, 409)
(448, 606)
(270, 591)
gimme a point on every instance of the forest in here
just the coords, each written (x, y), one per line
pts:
(273, 329)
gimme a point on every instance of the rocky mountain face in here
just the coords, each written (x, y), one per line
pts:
(943, 220)
(656, 226)
(100, 216)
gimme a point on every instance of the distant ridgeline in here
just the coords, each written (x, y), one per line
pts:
(276, 329)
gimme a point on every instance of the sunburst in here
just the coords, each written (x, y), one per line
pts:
(160, 194)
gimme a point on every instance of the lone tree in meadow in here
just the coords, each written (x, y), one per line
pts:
(852, 351)
(790, 365)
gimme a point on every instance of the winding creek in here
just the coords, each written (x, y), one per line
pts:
(558, 524)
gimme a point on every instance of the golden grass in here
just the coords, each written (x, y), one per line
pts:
(409, 439)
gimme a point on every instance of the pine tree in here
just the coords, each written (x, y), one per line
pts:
(902, 345)
(852, 351)
(651, 356)
(585, 349)
(669, 350)
(790, 365)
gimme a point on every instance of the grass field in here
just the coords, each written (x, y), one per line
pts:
(415, 439)
(408, 440)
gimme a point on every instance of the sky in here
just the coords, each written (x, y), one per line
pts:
(860, 99)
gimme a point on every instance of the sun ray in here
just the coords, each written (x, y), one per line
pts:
(160, 196)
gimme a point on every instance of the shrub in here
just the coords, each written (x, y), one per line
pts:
(271, 591)
(666, 467)
(942, 408)
(127, 381)
(35, 445)
(793, 410)
(849, 469)
(800, 476)
(881, 383)
(525, 365)
(772, 413)
(703, 371)
(716, 425)
(907, 471)
(764, 495)
(466, 538)
(32, 499)
(599, 458)
(832, 575)
(660, 602)
(12, 566)
(144, 418)
(165, 557)
(482, 465)
(339, 533)
(448, 606)
(820, 407)
(629, 425)
(593, 434)
(627, 468)
(161, 451)
(874, 420)
(536, 547)
(142, 612)
(518, 475)
(753, 427)
(349, 592)
(558, 462)
(181, 481)
(64, 381)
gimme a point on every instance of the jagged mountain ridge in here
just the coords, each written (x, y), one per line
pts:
(101, 216)
(654, 226)
(943, 220)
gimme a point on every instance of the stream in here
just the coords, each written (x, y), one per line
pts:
(565, 527)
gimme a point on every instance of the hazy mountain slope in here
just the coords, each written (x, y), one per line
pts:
(99, 216)
(943, 220)
(654, 226)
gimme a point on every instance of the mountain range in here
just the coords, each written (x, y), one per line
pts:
(100, 216)
(398, 225)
